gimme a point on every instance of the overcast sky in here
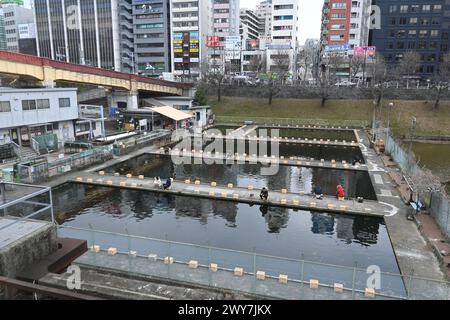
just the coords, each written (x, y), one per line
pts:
(309, 19)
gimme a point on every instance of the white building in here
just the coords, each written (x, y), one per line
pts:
(225, 29)
(359, 23)
(15, 19)
(284, 32)
(190, 26)
(282, 48)
(264, 13)
(26, 113)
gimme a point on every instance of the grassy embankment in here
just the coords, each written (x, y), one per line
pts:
(429, 120)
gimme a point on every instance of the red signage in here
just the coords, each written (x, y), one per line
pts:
(212, 41)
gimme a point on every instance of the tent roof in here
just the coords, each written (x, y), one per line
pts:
(172, 113)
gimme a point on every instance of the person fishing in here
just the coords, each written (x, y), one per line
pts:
(340, 193)
(168, 183)
(264, 195)
(318, 191)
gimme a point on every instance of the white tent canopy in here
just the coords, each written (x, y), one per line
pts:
(172, 113)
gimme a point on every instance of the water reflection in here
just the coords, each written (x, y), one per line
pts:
(295, 179)
(271, 230)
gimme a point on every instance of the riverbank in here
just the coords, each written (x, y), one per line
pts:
(429, 120)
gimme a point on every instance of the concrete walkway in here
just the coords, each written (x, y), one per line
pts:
(292, 161)
(320, 142)
(276, 198)
(413, 255)
(200, 280)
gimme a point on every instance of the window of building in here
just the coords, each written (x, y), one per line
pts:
(413, 21)
(404, 9)
(402, 21)
(423, 33)
(415, 8)
(437, 7)
(412, 33)
(426, 8)
(392, 9)
(43, 103)
(64, 102)
(5, 106)
(28, 105)
(434, 33)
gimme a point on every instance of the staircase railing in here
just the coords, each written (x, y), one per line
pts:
(35, 146)
(17, 149)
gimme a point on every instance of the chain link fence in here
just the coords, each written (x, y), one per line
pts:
(437, 200)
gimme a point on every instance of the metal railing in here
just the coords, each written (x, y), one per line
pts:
(439, 201)
(299, 272)
(22, 202)
(293, 122)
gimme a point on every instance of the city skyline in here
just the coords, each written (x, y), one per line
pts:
(309, 17)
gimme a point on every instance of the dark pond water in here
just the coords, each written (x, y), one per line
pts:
(339, 135)
(232, 146)
(295, 179)
(222, 128)
(319, 237)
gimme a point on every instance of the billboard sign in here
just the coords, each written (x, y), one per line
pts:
(212, 41)
(368, 52)
(27, 31)
(337, 48)
(233, 43)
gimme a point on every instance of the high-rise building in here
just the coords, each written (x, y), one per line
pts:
(190, 26)
(126, 35)
(264, 13)
(151, 37)
(16, 18)
(413, 25)
(2, 32)
(249, 26)
(284, 32)
(225, 29)
(346, 23)
(79, 31)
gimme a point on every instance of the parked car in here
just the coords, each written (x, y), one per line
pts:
(345, 83)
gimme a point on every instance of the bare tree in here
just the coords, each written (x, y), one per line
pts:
(408, 66)
(356, 65)
(272, 87)
(257, 63)
(281, 63)
(305, 60)
(380, 76)
(442, 79)
(213, 73)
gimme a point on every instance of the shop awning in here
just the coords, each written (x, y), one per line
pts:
(172, 113)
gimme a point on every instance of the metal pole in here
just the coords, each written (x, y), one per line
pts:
(51, 205)
(354, 280)
(410, 283)
(209, 264)
(302, 270)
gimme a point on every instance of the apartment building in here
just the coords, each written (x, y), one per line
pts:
(151, 27)
(346, 23)
(15, 19)
(191, 22)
